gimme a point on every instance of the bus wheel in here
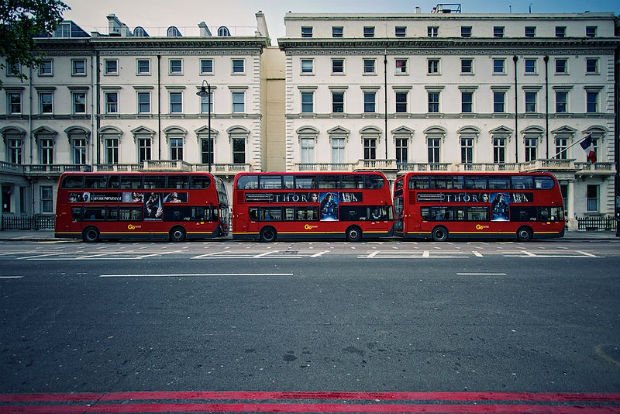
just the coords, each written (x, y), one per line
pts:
(354, 234)
(268, 234)
(177, 234)
(440, 234)
(524, 234)
(90, 235)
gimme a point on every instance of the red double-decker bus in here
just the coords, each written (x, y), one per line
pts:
(345, 205)
(442, 205)
(149, 205)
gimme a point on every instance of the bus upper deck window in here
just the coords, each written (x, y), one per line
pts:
(96, 181)
(247, 182)
(543, 183)
(73, 181)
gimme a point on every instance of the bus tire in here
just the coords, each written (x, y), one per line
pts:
(268, 234)
(354, 234)
(177, 234)
(524, 234)
(90, 235)
(439, 234)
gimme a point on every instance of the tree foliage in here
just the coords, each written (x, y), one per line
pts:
(20, 22)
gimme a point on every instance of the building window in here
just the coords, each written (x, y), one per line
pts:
(144, 102)
(206, 103)
(338, 145)
(400, 31)
(434, 146)
(175, 66)
(46, 67)
(111, 151)
(433, 101)
(337, 101)
(432, 31)
(369, 101)
(206, 66)
(238, 102)
(433, 66)
(144, 149)
(307, 150)
(14, 102)
(467, 66)
(144, 67)
(337, 65)
(47, 199)
(561, 146)
(560, 31)
(498, 31)
(561, 66)
(176, 148)
(402, 151)
(530, 101)
(467, 101)
(530, 31)
(465, 31)
(307, 66)
(79, 102)
(78, 150)
(369, 66)
(499, 150)
(592, 192)
(206, 151)
(46, 151)
(591, 101)
(46, 102)
(401, 66)
(370, 148)
(78, 67)
(561, 102)
(467, 150)
(369, 31)
(530, 66)
(238, 150)
(238, 66)
(176, 102)
(591, 31)
(306, 31)
(499, 66)
(110, 67)
(307, 101)
(592, 65)
(14, 150)
(13, 70)
(111, 102)
(337, 31)
(499, 101)
(401, 101)
(531, 147)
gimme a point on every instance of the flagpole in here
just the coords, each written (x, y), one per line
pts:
(569, 147)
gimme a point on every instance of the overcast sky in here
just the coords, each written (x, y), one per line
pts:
(154, 15)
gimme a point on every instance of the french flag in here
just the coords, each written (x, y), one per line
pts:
(588, 146)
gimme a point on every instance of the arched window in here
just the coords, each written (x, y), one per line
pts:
(173, 32)
(223, 31)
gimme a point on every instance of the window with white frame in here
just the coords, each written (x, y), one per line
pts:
(238, 66)
(111, 102)
(307, 150)
(560, 31)
(498, 31)
(78, 150)
(592, 66)
(206, 66)
(337, 31)
(592, 198)
(370, 101)
(13, 69)
(337, 101)
(467, 101)
(467, 66)
(144, 102)
(369, 66)
(46, 150)
(79, 102)
(561, 66)
(144, 148)
(499, 101)
(467, 150)
(561, 146)
(592, 101)
(307, 101)
(338, 150)
(530, 101)
(46, 67)
(591, 31)
(306, 31)
(176, 102)
(111, 150)
(530, 66)
(78, 67)
(433, 101)
(307, 66)
(432, 31)
(337, 66)
(561, 101)
(401, 66)
(14, 149)
(499, 150)
(46, 102)
(531, 148)
(143, 67)
(238, 149)
(400, 31)
(433, 66)
(434, 150)
(402, 150)
(14, 102)
(206, 103)
(175, 67)
(110, 67)
(370, 148)
(176, 148)
(369, 31)
(47, 198)
(401, 101)
(530, 31)
(466, 31)
(499, 66)
(238, 101)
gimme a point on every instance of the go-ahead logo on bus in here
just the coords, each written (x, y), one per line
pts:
(133, 227)
(481, 226)
(310, 227)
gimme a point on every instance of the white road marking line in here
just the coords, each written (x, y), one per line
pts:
(477, 254)
(193, 275)
(586, 253)
(320, 253)
(373, 254)
(426, 253)
(11, 277)
(480, 274)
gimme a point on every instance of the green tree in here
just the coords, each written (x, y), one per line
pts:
(20, 22)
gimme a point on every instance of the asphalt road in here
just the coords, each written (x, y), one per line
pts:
(425, 317)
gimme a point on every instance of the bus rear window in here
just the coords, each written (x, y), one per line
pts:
(543, 183)
(247, 182)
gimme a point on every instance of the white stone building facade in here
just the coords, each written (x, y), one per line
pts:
(438, 91)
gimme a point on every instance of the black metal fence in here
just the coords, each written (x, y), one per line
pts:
(596, 223)
(38, 222)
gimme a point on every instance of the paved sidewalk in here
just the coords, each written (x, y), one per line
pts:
(45, 235)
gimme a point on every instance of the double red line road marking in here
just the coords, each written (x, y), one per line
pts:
(311, 402)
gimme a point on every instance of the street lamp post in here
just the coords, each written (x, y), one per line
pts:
(206, 92)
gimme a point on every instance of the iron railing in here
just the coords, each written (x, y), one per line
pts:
(596, 223)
